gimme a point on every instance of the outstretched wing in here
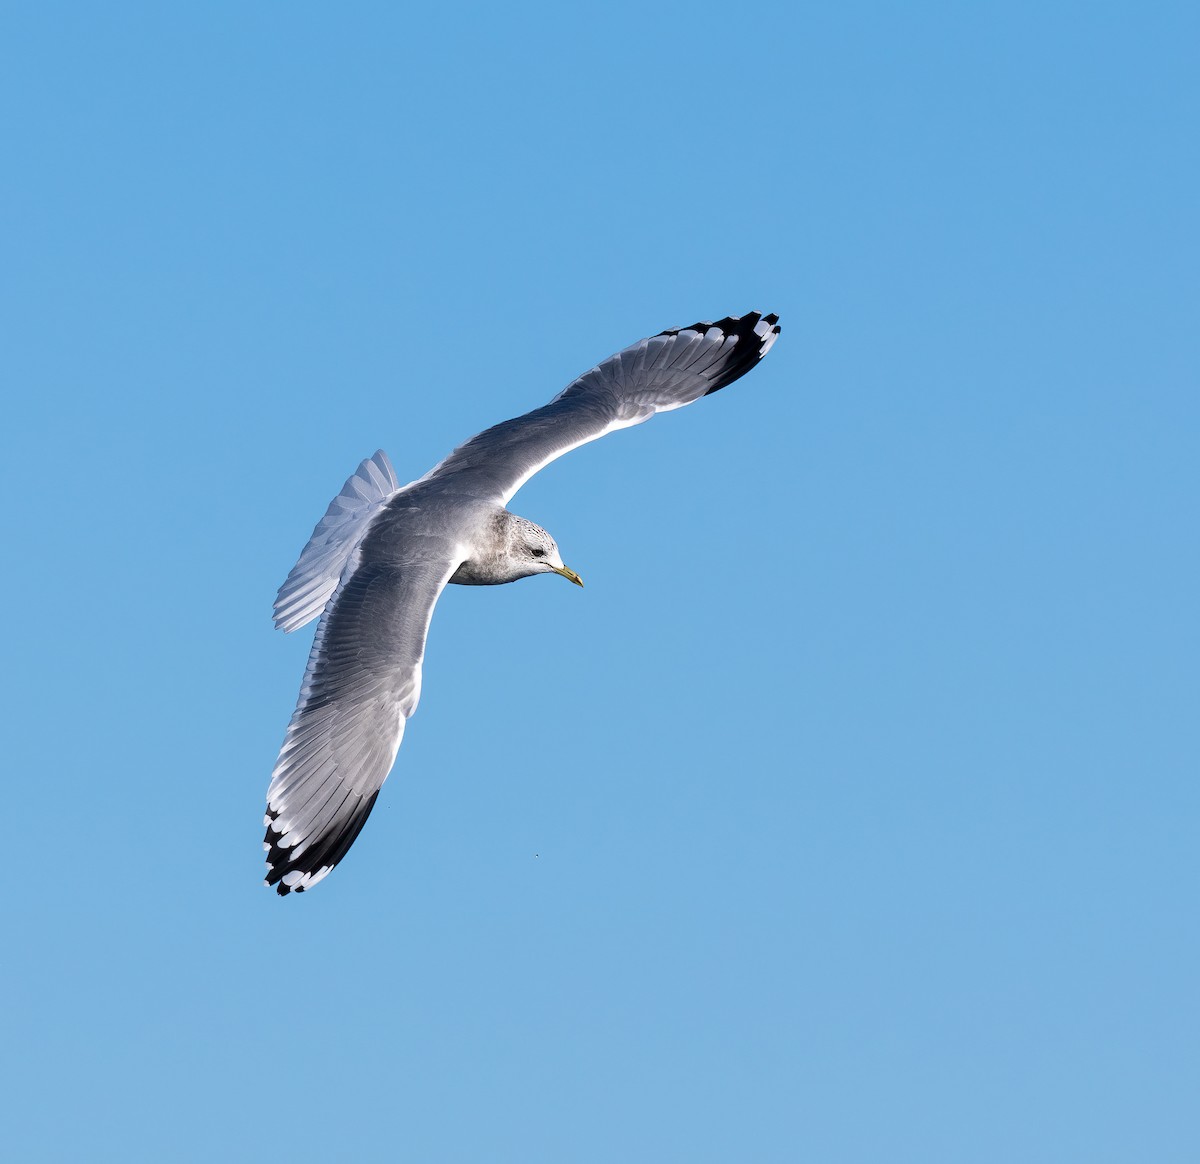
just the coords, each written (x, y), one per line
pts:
(656, 374)
(363, 681)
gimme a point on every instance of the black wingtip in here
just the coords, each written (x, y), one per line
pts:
(753, 335)
(323, 854)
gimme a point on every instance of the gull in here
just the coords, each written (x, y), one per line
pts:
(382, 554)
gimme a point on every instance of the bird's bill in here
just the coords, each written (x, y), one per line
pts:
(569, 575)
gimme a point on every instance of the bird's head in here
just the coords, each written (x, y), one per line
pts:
(536, 551)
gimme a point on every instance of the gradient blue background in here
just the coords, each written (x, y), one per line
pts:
(848, 815)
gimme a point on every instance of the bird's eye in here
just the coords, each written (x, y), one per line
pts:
(539, 552)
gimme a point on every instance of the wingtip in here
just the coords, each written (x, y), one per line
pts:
(767, 329)
(754, 326)
(764, 325)
(294, 868)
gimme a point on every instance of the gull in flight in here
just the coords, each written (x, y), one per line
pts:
(383, 552)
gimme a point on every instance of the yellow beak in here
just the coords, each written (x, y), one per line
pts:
(569, 575)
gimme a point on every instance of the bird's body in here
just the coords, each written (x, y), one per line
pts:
(383, 553)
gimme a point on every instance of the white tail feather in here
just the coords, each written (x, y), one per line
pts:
(315, 575)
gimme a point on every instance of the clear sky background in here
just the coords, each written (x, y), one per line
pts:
(849, 814)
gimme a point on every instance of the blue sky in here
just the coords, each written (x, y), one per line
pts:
(848, 815)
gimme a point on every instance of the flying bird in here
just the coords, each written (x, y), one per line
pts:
(382, 554)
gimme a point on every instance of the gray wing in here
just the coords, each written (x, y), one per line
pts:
(657, 374)
(363, 681)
